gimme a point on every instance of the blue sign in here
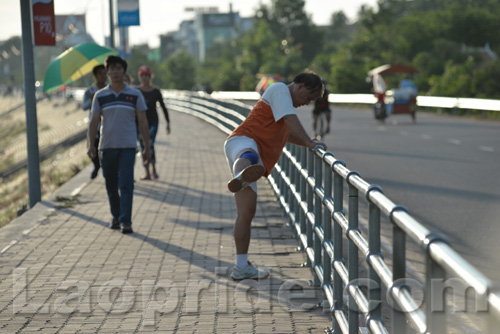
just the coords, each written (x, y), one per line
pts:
(128, 13)
(126, 19)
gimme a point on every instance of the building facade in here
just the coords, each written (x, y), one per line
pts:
(208, 28)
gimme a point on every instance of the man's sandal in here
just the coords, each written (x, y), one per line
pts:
(245, 177)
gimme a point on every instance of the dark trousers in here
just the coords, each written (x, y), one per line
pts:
(118, 171)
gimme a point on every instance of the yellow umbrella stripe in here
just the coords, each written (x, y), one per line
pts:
(69, 65)
(87, 68)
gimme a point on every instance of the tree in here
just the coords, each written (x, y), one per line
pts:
(180, 70)
(455, 81)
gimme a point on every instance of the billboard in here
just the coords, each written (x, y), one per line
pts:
(44, 22)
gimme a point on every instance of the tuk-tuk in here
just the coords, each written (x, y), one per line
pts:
(402, 100)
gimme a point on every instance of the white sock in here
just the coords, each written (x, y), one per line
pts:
(241, 260)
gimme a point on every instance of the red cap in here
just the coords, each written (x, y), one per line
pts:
(144, 70)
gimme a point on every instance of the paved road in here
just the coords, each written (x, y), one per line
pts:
(444, 169)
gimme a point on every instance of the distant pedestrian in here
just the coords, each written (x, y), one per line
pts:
(208, 88)
(118, 105)
(100, 78)
(152, 96)
(255, 146)
(322, 113)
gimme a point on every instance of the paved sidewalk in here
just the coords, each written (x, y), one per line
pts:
(64, 271)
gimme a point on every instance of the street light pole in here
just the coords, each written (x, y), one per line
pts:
(111, 26)
(35, 194)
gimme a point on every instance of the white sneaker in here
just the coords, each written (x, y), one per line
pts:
(245, 177)
(249, 272)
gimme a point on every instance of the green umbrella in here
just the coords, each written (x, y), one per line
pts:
(73, 64)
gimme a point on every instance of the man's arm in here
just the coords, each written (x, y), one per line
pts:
(91, 134)
(144, 129)
(298, 135)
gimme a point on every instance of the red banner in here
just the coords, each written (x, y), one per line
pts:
(44, 22)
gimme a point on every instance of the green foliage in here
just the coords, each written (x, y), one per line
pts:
(487, 81)
(179, 71)
(455, 81)
(138, 58)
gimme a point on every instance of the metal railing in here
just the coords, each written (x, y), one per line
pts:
(311, 187)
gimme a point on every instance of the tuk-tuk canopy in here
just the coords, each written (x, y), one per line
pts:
(391, 69)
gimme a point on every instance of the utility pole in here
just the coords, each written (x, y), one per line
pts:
(35, 193)
(111, 26)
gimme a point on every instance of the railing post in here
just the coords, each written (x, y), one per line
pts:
(280, 181)
(338, 206)
(436, 318)
(327, 223)
(494, 310)
(285, 189)
(292, 177)
(303, 194)
(398, 270)
(318, 215)
(310, 206)
(374, 286)
(353, 253)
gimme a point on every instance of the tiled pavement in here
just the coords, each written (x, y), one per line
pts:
(64, 271)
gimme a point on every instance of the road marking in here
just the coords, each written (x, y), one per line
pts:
(78, 189)
(454, 141)
(426, 137)
(12, 243)
(486, 149)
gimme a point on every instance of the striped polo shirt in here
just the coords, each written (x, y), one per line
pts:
(118, 113)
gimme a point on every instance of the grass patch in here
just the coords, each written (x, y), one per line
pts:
(54, 172)
(6, 162)
(66, 202)
(10, 129)
(11, 212)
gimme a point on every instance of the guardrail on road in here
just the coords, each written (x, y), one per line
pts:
(422, 101)
(310, 187)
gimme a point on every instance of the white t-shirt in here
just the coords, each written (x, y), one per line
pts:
(278, 97)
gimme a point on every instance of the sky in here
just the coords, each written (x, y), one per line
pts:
(161, 16)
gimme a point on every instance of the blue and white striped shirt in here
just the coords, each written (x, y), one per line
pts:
(118, 112)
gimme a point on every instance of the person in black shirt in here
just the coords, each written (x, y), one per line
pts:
(321, 107)
(152, 95)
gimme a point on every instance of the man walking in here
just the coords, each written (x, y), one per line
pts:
(117, 106)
